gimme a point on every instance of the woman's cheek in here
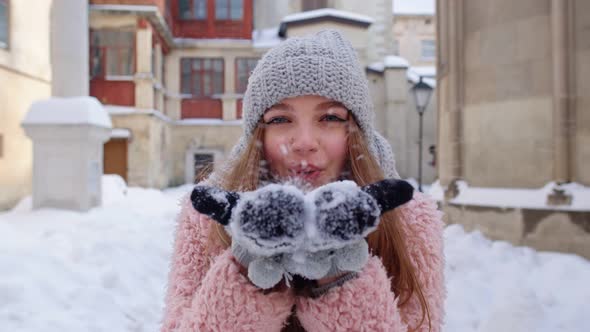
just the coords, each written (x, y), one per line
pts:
(275, 154)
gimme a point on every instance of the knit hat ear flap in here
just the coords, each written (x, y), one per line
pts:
(385, 158)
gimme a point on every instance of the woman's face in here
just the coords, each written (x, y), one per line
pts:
(306, 138)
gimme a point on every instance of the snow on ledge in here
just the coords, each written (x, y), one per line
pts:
(266, 38)
(120, 133)
(125, 8)
(390, 61)
(394, 61)
(414, 76)
(520, 197)
(327, 12)
(414, 7)
(68, 111)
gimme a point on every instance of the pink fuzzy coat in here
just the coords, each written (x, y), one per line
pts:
(206, 292)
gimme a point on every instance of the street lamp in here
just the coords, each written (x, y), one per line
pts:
(421, 92)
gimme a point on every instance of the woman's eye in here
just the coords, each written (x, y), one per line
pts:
(277, 120)
(332, 117)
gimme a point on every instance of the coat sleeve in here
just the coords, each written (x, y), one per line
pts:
(423, 229)
(210, 294)
(367, 302)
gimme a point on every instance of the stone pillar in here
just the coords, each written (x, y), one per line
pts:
(144, 82)
(229, 107)
(563, 120)
(68, 136)
(563, 123)
(450, 89)
(69, 48)
(159, 79)
(229, 98)
(396, 100)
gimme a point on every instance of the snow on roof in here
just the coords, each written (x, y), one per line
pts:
(68, 111)
(125, 8)
(327, 12)
(414, 7)
(520, 197)
(266, 38)
(427, 77)
(212, 42)
(429, 71)
(394, 61)
(390, 61)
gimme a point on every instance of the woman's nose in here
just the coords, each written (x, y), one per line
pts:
(304, 140)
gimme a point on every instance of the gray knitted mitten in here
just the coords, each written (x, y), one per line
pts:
(278, 231)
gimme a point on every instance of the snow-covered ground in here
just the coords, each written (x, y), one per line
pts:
(106, 270)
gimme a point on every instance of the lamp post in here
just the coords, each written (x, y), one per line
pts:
(421, 92)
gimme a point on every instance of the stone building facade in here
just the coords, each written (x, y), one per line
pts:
(171, 74)
(25, 76)
(513, 113)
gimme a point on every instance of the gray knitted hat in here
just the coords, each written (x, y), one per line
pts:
(323, 64)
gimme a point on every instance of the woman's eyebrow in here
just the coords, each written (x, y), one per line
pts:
(281, 107)
(328, 104)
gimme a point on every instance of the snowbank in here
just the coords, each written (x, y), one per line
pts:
(106, 270)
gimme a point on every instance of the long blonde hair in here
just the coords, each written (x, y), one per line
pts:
(387, 241)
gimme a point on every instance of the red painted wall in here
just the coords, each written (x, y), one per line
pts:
(120, 93)
(201, 108)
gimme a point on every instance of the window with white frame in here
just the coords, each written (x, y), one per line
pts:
(201, 77)
(428, 49)
(3, 23)
(112, 53)
(229, 9)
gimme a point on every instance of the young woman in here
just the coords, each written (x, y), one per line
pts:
(308, 115)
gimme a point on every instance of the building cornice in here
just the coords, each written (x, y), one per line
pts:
(151, 13)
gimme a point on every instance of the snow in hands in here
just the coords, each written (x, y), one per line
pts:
(313, 235)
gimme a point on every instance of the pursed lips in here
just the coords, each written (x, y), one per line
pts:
(305, 172)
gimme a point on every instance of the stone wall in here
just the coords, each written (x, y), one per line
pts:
(215, 139)
(512, 99)
(581, 85)
(549, 230)
(18, 92)
(25, 76)
(409, 31)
